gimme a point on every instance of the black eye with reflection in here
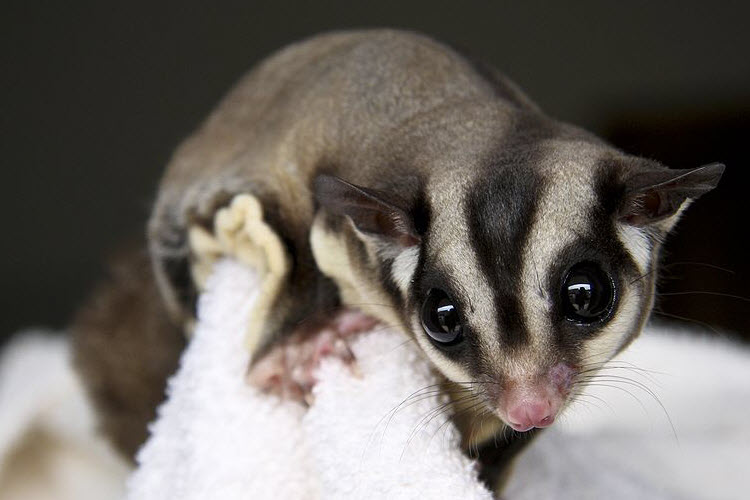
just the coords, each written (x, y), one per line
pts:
(440, 318)
(588, 293)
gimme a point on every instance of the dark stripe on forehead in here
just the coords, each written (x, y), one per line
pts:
(501, 210)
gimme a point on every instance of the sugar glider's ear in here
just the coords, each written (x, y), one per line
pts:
(373, 213)
(655, 194)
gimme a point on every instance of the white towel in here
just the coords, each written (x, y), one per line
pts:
(49, 448)
(217, 438)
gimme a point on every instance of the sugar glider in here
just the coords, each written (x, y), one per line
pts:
(385, 171)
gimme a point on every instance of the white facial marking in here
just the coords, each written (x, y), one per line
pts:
(404, 266)
(450, 369)
(457, 258)
(637, 243)
(561, 214)
(604, 345)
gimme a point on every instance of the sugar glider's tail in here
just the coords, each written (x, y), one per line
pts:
(125, 346)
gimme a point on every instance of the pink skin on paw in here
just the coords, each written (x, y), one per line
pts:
(287, 370)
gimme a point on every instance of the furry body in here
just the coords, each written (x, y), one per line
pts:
(391, 166)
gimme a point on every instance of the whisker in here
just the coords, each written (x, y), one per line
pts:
(460, 412)
(582, 394)
(577, 401)
(419, 395)
(429, 390)
(643, 387)
(646, 275)
(702, 264)
(595, 355)
(472, 442)
(430, 416)
(706, 292)
(691, 320)
(369, 304)
(636, 367)
(642, 372)
(415, 397)
(599, 384)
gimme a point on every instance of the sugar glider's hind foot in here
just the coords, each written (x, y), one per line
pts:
(288, 369)
(240, 231)
(249, 228)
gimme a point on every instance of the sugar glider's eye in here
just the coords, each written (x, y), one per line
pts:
(588, 293)
(440, 318)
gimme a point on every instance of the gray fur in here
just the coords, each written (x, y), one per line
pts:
(498, 199)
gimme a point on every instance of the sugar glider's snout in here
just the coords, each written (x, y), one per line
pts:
(534, 402)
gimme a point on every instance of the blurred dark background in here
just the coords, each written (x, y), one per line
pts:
(95, 97)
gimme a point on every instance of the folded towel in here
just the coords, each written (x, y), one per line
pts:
(216, 437)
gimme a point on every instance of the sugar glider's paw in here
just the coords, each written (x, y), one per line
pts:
(288, 369)
(240, 231)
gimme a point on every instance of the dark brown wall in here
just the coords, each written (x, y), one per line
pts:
(95, 97)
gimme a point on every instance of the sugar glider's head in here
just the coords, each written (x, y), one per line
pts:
(516, 276)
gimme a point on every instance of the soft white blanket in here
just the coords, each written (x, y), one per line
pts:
(216, 437)
(49, 449)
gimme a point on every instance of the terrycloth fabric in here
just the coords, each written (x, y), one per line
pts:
(216, 438)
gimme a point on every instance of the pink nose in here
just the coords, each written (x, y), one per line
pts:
(535, 402)
(529, 414)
